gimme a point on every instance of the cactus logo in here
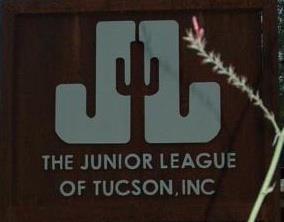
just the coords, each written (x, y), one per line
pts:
(163, 122)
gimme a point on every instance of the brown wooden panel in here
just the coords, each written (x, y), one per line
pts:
(36, 6)
(44, 49)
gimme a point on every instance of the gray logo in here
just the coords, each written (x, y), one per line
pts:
(163, 122)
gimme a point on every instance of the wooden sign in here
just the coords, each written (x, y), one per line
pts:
(106, 116)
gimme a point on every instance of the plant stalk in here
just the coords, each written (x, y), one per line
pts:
(266, 187)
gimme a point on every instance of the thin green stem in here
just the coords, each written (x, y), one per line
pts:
(267, 187)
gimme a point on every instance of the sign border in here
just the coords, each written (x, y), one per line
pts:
(11, 9)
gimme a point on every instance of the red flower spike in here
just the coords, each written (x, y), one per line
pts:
(199, 31)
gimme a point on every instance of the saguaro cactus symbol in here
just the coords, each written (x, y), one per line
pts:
(112, 122)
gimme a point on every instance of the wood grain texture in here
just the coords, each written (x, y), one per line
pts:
(54, 6)
(50, 43)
